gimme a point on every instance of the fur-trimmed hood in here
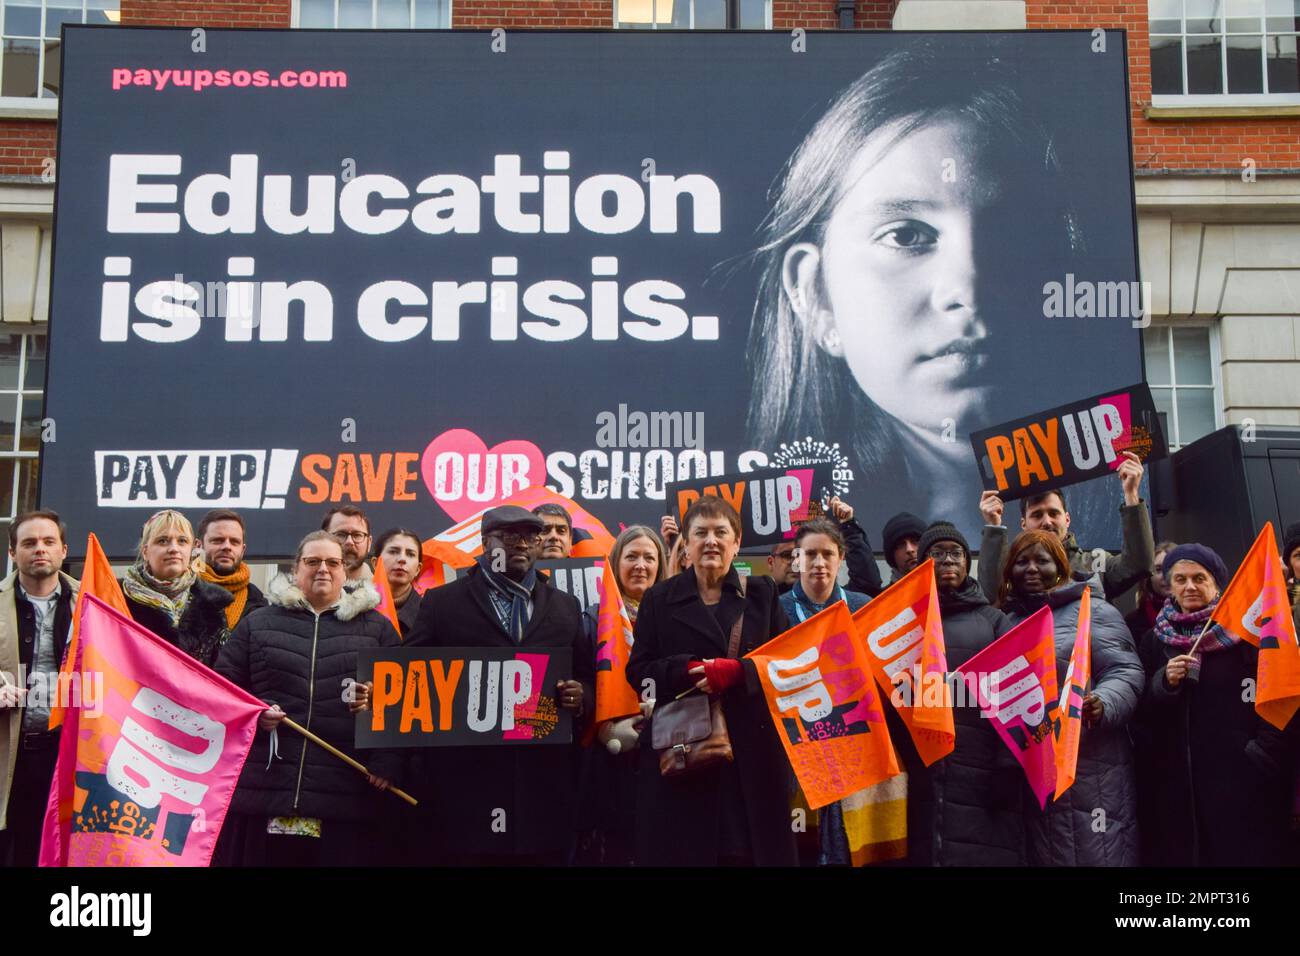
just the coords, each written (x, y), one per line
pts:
(282, 592)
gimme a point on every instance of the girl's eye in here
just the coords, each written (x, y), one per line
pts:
(907, 235)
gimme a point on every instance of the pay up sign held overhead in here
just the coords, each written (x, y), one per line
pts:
(1068, 444)
(771, 502)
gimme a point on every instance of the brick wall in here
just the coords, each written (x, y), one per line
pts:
(24, 147)
(207, 13)
(1219, 144)
(821, 15)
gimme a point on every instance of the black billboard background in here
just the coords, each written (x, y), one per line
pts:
(731, 106)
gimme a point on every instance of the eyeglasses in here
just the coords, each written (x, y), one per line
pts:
(945, 557)
(783, 555)
(354, 536)
(334, 564)
(509, 538)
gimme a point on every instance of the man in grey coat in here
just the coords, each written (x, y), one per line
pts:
(1047, 512)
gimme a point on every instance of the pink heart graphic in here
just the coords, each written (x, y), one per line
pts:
(465, 477)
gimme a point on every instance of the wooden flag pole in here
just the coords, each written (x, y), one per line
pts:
(342, 756)
(1208, 622)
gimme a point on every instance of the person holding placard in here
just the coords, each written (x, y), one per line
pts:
(1067, 833)
(1214, 777)
(728, 812)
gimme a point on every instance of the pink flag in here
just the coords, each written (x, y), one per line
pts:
(150, 757)
(1015, 679)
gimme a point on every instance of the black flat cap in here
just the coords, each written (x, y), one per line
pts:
(513, 517)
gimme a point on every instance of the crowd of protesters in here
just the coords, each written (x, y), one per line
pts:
(1175, 766)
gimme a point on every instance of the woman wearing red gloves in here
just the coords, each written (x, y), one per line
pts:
(732, 813)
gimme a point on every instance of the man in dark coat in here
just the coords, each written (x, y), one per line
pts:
(900, 538)
(507, 804)
(968, 808)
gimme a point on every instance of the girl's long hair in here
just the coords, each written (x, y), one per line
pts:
(798, 387)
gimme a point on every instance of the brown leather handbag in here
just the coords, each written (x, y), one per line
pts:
(691, 734)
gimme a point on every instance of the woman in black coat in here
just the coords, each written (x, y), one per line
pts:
(1036, 573)
(968, 808)
(731, 813)
(165, 594)
(1214, 777)
(297, 804)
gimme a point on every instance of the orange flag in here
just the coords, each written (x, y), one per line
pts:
(903, 638)
(97, 579)
(1067, 718)
(1254, 607)
(386, 606)
(615, 697)
(817, 680)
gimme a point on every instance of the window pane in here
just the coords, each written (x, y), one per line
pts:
(753, 14)
(1283, 15)
(1204, 65)
(679, 18)
(710, 14)
(394, 14)
(53, 54)
(315, 13)
(1164, 402)
(1192, 357)
(7, 470)
(19, 74)
(1283, 71)
(1167, 65)
(1245, 66)
(34, 376)
(10, 355)
(103, 11)
(354, 13)
(57, 15)
(29, 438)
(1165, 9)
(1155, 343)
(1195, 414)
(642, 13)
(8, 421)
(22, 18)
(1204, 16)
(1244, 15)
(431, 14)
(27, 471)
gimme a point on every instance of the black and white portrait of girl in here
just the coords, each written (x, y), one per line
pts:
(900, 302)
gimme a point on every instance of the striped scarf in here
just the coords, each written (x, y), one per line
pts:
(1180, 629)
(517, 594)
(170, 597)
(236, 583)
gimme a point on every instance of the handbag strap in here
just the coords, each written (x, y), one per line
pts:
(733, 644)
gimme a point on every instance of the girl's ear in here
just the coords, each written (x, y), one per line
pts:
(800, 270)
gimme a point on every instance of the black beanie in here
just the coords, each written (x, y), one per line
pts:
(942, 531)
(902, 525)
(1290, 541)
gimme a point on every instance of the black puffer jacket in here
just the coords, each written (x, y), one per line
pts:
(202, 628)
(285, 654)
(1071, 832)
(968, 808)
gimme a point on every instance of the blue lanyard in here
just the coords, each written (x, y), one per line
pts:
(803, 615)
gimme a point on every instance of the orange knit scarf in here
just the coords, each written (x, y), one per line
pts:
(236, 583)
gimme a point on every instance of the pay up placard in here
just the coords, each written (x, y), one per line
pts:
(772, 502)
(464, 696)
(1068, 444)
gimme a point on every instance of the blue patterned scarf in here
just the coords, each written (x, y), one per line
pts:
(516, 593)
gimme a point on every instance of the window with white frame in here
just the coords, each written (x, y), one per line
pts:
(693, 14)
(1181, 374)
(22, 409)
(1232, 52)
(29, 51)
(373, 14)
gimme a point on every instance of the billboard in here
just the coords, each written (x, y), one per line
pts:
(418, 271)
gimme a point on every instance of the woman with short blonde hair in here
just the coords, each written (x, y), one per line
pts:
(165, 594)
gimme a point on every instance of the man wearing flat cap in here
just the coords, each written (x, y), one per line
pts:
(500, 805)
